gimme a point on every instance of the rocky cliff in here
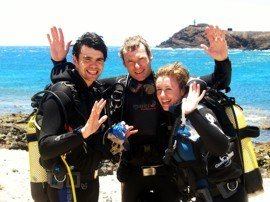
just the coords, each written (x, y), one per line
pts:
(192, 36)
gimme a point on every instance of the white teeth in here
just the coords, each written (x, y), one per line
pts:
(139, 72)
(92, 72)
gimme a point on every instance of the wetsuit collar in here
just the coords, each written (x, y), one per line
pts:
(79, 82)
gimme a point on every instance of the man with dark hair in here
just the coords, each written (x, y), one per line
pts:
(71, 123)
(142, 171)
(91, 40)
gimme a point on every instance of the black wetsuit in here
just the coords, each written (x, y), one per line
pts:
(142, 110)
(58, 136)
(206, 159)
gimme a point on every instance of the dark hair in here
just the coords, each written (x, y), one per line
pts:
(92, 40)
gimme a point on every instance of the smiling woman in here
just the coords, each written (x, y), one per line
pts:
(170, 84)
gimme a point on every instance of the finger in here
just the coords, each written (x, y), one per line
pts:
(93, 113)
(198, 90)
(102, 119)
(94, 108)
(61, 36)
(184, 101)
(55, 34)
(68, 46)
(132, 132)
(205, 48)
(211, 26)
(194, 86)
(128, 128)
(190, 88)
(223, 34)
(202, 95)
(101, 105)
(207, 31)
(210, 30)
(220, 34)
(49, 39)
(98, 109)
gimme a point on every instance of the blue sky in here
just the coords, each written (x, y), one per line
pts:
(26, 22)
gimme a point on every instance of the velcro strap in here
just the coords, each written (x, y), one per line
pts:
(249, 131)
(31, 137)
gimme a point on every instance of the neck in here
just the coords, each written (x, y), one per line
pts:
(88, 83)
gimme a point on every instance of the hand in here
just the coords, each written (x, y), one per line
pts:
(93, 123)
(130, 131)
(58, 48)
(218, 48)
(190, 103)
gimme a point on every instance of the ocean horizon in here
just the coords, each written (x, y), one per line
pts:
(26, 70)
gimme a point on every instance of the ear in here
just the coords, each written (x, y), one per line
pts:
(75, 61)
(183, 91)
(124, 63)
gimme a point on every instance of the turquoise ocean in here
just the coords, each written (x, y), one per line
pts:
(26, 70)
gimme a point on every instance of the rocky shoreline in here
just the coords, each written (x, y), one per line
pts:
(193, 36)
(13, 136)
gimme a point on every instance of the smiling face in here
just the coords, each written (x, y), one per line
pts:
(168, 91)
(170, 84)
(137, 63)
(89, 64)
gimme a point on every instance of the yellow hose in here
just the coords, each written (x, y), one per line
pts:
(63, 157)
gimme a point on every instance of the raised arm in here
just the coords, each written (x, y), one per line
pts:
(218, 50)
(58, 48)
(54, 140)
(204, 122)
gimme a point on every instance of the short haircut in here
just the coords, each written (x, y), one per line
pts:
(134, 42)
(176, 70)
(91, 40)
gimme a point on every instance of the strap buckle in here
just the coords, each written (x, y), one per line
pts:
(149, 171)
(227, 189)
(95, 174)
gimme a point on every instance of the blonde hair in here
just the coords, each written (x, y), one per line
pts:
(176, 70)
(132, 43)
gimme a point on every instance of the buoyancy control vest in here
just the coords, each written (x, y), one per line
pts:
(38, 174)
(241, 160)
(232, 120)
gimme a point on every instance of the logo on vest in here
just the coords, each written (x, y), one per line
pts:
(225, 160)
(146, 107)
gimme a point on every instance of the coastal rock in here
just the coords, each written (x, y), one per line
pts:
(263, 156)
(13, 131)
(193, 36)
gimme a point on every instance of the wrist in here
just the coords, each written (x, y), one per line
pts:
(191, 113)
(56, 62)
(222, 60)
(80, 131)
(84, 133)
